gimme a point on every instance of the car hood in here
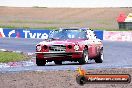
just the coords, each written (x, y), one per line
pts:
(61, 42)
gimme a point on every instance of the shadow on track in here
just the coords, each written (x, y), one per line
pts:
(71, 63)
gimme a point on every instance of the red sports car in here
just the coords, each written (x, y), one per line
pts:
(70, 44)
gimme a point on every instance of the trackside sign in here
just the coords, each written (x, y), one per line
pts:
(33, 33)
(24, 33)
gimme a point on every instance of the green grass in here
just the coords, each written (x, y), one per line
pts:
(27, 27)
(12, 26)
(53, 27)
(108, 29)
(11, 57)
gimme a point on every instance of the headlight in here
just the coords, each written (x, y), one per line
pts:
(76, 47)
(38, 48)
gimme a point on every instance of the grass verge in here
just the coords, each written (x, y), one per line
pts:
(12, 57)
(54, 28)
(27, 27)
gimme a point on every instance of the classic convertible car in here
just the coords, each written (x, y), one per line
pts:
(70, 44)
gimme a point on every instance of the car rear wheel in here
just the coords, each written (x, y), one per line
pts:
(99, 59)
(84, 58)
(58, 62)
(40, 62)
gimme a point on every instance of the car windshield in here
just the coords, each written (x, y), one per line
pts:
(69, 34)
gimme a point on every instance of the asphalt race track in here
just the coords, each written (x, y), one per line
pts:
(116, 55)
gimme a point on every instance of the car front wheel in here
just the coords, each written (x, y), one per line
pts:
(40, 62)
(84, 58)
(58, 62)
(99, 59)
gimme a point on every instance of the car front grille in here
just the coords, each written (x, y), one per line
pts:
(57, 48)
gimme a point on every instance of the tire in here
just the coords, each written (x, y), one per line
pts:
(58, 62)
(84, 58)
(81, 80)
(99, 59)
(40, 62)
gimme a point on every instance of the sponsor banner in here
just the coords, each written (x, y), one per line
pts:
(34, 33)
(99, 34)
(118, 35)
(23, 33)
(1, 33)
